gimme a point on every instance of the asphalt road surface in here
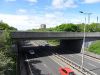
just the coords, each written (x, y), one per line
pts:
(43, 66)
(89, 63)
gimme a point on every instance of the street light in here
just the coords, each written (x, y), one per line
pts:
(97, 19)
(88, 14)
(84, 37)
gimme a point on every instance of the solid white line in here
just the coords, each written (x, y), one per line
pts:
(91, 64)
(45, 65)
(55, 60)
(86, 68)
(90, 58)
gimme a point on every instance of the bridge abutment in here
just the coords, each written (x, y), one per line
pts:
(71, 45)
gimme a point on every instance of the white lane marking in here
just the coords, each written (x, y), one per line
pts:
(98, 62)
(32, 64)
(89, 58)
(45, 65)
(71, 55)
(55, 60)
(47, 68)
(91, 64)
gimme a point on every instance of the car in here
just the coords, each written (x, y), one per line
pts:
(31, 52)
(46, 44)
(66, 71)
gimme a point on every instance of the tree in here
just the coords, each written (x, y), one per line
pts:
(67, 27)
(92, 27)
(4, 26)
(6, 60)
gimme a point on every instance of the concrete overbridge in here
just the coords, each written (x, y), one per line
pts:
(68, 40)
(54, 35)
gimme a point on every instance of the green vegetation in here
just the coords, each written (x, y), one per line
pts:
(7, 60)
(53, 42)
(67, 27)
(43, 30)
(95, 47)
(94, 27)
(4, 26)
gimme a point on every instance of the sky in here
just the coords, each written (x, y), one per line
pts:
(30, 14)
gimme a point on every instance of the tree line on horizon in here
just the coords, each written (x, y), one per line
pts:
(93, 27)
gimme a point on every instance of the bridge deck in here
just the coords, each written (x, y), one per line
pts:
(53, 35)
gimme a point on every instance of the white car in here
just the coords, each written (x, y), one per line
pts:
(31, 52)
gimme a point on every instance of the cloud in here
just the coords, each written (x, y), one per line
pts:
(21, 11)
(57, 3)
(18, 21)
(91, 1)
(64, 3)
(70, 3)
(10, 0)
(32, 1)
(24, 22)
(50, 15)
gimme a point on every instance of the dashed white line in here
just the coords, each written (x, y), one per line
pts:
(45, 65)
(91, 64)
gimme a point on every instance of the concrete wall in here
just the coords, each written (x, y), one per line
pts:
(72, 45)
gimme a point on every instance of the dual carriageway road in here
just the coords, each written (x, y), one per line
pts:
(47, 65)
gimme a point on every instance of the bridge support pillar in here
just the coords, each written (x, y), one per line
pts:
(71, 45)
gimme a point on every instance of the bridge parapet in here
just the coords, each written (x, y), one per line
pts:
(54, 35)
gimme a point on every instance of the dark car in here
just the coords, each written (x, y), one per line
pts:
(31, 52)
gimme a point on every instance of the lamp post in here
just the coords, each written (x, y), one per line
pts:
(84, 36)
(97, 19)
(88, 16)
(83, 43)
